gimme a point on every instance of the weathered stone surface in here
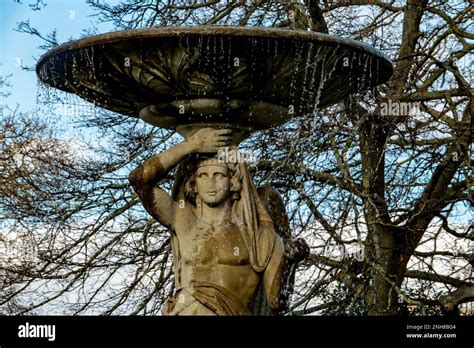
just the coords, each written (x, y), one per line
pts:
(229, 257)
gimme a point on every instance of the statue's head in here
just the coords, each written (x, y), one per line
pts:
(213, 182)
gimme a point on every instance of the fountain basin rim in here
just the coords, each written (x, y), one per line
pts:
(189, 31)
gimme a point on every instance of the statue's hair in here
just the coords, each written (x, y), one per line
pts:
(190, 185)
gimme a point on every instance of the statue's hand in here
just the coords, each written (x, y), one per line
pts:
(296, 250)
(210, 140)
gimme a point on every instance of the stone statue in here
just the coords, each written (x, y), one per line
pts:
(225, 246)
(232, 247)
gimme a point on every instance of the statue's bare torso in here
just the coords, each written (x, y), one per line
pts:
(213, 255)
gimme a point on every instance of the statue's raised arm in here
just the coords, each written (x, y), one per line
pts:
(146, 177)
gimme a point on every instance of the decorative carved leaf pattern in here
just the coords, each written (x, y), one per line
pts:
(201, 82)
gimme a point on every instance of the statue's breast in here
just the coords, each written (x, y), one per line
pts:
(218, 245)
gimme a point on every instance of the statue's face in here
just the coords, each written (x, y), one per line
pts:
(213, 184)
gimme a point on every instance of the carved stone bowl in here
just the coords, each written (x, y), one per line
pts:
(183, 77)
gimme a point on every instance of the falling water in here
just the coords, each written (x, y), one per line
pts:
(230, 64)
(215, 58)
(299, 71)
(42, 92)
(224, 72)
(294, 75)
(252, 65)
(318, 94)
(313, 75)
(87, 59)
(308, 64)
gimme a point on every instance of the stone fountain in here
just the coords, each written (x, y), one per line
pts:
(216, 85)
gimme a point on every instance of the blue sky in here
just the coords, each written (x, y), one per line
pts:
(69, 17)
